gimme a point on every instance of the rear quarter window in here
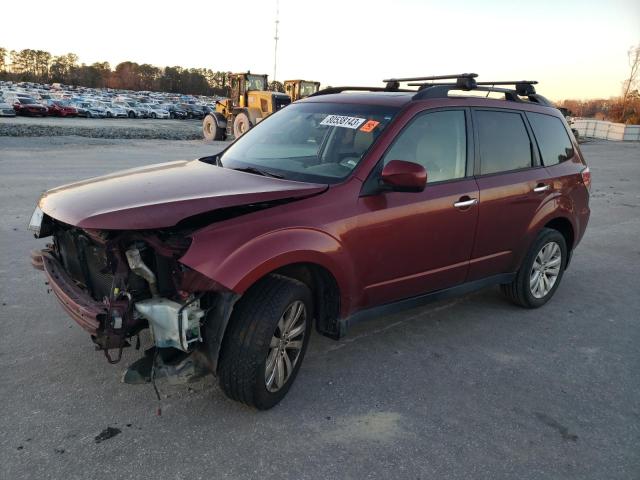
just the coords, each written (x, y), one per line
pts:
(553, 140)
(504, 142)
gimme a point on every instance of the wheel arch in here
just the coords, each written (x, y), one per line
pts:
(325, 291)
(566, 229)
(303, 253)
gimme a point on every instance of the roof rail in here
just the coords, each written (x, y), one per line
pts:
(330, 90)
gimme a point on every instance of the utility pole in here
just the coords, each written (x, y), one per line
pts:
(276, 38)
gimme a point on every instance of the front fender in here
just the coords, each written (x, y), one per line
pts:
(237, 267)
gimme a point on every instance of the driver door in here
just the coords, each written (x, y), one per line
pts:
(408, 243)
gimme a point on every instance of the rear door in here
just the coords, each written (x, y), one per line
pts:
(513, 186)
(411, 243)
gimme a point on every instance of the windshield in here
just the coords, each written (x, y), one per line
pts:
(26, 100)
(308, 88)
(310, 142)
(256, 82)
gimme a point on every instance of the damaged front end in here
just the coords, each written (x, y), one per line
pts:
(115, 284)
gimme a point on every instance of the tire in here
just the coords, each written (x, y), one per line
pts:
(109, 115)
(524, 290)
(88, 114)
(249, 342)
(131, 115)
(210, 129)
(172, 115)
(153, 115)
(241, 124)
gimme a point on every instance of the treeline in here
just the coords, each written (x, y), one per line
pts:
(43, 67)
(612, 109)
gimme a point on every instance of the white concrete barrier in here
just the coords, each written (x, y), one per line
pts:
(606, 130)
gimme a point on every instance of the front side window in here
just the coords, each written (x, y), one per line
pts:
(553, 140)
(504, 142)
(435, 140)
(314, 142)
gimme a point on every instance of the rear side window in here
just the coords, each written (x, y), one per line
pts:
(553, 140)
(504, 141)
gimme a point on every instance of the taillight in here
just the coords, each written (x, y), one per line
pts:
(586, 177)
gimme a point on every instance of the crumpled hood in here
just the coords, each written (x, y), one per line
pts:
(159, 196)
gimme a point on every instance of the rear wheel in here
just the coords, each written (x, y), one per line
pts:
(241, 124)
(266, 341)
(541, 272)
(211, 130)
(131, 115)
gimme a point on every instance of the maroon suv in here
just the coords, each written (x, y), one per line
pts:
(349, 204)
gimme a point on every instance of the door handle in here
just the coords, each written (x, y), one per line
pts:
(465, 203)
(541, 188)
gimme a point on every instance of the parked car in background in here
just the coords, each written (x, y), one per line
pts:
(193, 111)
(156, 111)
(92, 111)
(6, 110)
(59, 108)
(29, 107)
(132, 110)
(114, 111)
(175, 111)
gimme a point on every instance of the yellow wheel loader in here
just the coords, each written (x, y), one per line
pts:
(249, 103)
(298, 89)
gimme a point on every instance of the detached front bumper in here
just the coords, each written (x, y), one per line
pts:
(87, 312)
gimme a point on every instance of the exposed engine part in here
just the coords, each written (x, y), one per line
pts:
(172, 324)
(137, 266)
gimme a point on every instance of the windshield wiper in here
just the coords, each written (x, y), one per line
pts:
(257, 171)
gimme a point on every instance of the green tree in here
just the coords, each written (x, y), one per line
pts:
(3, 59)
(276, 86)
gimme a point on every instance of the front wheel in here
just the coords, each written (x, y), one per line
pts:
(541, 272)
(266, 341)
(211, 130)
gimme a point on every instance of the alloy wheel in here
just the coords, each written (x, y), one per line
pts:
(545, 269)
(285, 347)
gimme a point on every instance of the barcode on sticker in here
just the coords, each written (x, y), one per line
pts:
(342, 121)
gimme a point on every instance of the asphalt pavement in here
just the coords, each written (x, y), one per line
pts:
(469, 388)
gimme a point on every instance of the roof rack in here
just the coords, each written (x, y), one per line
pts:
(429, 88)
(463, 80)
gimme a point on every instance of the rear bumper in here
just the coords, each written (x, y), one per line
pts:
(77, 303)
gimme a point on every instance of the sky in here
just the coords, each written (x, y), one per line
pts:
(575, 49)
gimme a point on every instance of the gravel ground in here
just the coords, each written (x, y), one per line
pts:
(101, 128)
(471, 388)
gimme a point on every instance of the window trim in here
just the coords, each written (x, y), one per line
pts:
(367, 188)
(564, 127)
(533, 145)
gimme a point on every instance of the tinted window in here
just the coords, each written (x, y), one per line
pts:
(437, 141)
(554, 143)
(504, 142)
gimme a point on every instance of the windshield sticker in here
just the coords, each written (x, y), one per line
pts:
(342, 121)
(369, 126)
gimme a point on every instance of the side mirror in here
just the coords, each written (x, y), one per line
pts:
(402, 176)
